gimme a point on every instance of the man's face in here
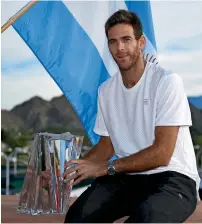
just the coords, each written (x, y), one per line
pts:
(123, 46)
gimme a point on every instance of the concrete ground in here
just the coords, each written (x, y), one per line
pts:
(9, 215)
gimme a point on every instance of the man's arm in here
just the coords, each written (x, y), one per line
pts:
(158, 154)
(102, 151)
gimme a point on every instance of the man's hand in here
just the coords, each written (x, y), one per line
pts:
(84, 169)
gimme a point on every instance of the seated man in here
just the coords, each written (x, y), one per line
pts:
(144, 118)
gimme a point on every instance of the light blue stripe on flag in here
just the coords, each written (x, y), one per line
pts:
(143, 10)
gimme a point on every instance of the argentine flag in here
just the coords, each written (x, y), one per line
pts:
(68, 38)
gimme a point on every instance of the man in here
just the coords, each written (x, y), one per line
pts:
(144, 118)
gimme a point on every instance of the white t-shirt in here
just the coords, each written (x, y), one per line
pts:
(129, 117)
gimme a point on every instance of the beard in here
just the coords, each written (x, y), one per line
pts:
(131, 61)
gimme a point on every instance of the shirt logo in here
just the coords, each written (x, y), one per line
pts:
(146, 101)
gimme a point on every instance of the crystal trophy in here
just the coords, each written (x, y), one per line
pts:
(44, 190)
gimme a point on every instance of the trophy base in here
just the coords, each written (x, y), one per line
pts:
(21, 210)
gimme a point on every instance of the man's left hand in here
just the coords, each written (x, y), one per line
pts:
(84, 169)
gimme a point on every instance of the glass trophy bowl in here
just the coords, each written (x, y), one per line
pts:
(44, 190)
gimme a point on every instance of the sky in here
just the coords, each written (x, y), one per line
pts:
(178, 33)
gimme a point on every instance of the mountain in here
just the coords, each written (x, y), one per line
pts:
(39, 115)
(196, 115)
(9, 121)
(196, 101)
(34, 113)
(68, 114)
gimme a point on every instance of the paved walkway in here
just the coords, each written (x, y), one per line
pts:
(9, 215)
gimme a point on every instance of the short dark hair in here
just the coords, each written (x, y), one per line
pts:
(125, 17)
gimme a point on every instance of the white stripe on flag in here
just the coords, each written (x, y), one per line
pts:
(92, 17)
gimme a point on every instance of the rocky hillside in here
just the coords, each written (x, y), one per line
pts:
(37, 114)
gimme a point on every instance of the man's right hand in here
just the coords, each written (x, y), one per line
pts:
(84, 169)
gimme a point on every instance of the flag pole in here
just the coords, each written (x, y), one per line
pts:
(20, 13)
